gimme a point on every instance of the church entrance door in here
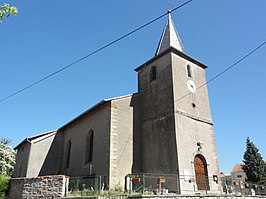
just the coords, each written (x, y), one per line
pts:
(201, 172)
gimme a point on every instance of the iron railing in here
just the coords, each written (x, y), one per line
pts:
(84, 186)
(243, 188)
(152, 184)
(157, 184)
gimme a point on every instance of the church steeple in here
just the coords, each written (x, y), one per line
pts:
(169, 37)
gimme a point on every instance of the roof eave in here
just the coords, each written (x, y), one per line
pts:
(25, 140)
(84, 113)
(103, 102)
(178, 52)
(29, 139)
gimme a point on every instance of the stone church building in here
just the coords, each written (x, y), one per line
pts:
(164, 129)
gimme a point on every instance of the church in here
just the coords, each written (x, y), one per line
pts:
(164, 129)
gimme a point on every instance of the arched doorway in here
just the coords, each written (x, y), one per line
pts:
(201, 172)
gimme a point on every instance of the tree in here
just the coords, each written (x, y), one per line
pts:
(7, 158)
(7, 10)
(7, 162)
(254, 166)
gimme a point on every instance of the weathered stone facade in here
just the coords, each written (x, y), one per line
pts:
(40, 187)
(164, 129)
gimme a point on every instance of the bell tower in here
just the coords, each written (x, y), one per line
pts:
(176, 128)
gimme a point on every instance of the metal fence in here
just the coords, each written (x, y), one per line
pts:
(84, 186)
(167, 183)
(163, 183)
(199, 183)
(153, 184)
(158, 184)
(243, 188)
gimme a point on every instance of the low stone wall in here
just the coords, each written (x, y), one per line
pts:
(172, 197)
(39, 187)
(56, 187)
(198, 197)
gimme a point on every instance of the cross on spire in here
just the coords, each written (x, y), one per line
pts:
(169, 3)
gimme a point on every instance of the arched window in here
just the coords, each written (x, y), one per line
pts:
(189, 71)
(89, 147)
(153, 73)
(201, 172)
(68, 152)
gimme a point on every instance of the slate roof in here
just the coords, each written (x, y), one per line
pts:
(169, 37)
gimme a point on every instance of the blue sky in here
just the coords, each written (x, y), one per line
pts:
(47, 35)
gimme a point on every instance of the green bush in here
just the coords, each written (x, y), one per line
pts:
(4, 180)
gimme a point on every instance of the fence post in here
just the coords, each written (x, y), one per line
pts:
(100, 184)
(240, 186)
(66, 185)
(143, 183)
(206, 184)
(130, 184)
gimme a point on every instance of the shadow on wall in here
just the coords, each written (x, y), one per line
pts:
(136, 166)
(51, 164)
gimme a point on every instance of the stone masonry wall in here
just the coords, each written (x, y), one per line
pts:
(200, 197)
(175, 197)
(39, 187)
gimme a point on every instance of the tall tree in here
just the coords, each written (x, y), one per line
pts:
(7, 10)
(254, 166)
(7, 158)
(7, 162)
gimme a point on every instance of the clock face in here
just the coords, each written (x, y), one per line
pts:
(191, 86)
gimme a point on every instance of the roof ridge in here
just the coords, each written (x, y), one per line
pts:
(119, 97)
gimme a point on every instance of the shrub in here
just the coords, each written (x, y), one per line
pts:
(4, 180)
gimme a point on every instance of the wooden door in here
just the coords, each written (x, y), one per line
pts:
(201, 173)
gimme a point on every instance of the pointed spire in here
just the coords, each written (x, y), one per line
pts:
(169, 37)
